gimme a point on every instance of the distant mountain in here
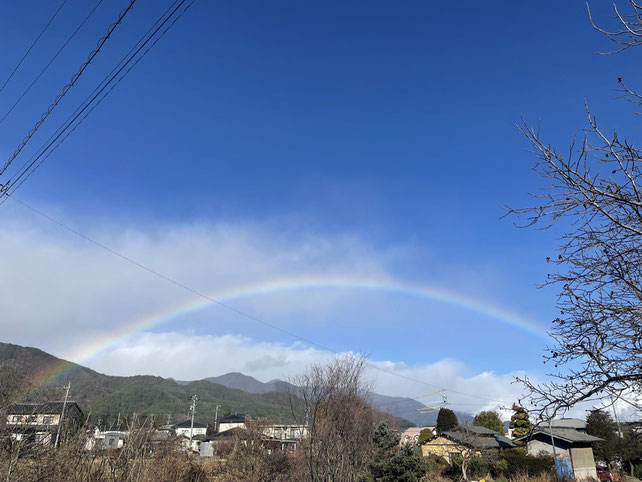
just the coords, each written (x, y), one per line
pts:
(401, 407)
(104, 397)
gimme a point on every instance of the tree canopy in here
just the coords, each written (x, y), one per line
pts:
(392, 462)
(425, 434)
(600, 424)
(491, 420)
(446, 420)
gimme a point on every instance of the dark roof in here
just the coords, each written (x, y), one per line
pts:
(235, 418)
(188, 424)
(227, 433)
(480, 430)
(567, 434)
(200, 436)
(480, 438)
(53, 408)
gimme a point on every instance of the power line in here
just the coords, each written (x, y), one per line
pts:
(33, 44)
(68, 86)
(33, 82)
(228, 307)
(47, 146)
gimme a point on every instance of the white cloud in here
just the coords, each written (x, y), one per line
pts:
(59, 291)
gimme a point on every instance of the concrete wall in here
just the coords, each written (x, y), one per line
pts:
(583, 463)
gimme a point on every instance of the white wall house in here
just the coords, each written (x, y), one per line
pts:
(231, 421)
(184, 428)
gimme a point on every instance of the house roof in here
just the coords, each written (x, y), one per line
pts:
(480, 438)
(47, 408)
(227, 433)
(480, 430)
(113, 428)
(235, 418)
(575, 423)
(188, 424)
(567, 434)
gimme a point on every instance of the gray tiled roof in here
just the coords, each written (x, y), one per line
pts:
(188, 424)
(575, 423)
(566, 434)
(479, 438)
(236, 418)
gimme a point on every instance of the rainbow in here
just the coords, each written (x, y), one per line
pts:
(425, 292)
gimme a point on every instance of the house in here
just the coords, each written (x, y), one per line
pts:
(211, 444)
(411, 435)
(466, 441)
(44, 423)
(286, 432)
(185, 428)
(108, 437)
(231, 421)
(572, 447)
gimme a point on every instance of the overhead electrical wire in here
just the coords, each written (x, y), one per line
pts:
(33, 44)
(69, 85)
(231, 308)
(109, 81)
(44, 69)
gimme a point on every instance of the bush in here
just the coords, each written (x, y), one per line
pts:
(478, 467)
(514, 462)
(435, 464)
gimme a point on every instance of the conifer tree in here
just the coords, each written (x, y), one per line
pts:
(520, 424)
(446, 420)
(600, 424)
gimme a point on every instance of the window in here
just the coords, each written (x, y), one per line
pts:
(48, 420)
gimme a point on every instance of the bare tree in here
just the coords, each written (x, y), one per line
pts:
(594, 195)
(339, 419)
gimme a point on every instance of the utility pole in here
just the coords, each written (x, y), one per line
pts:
(550, 430)
(216, 419)
(444, 398)
(169, 418)
(617, 419)
(62, 414)
(191, 428)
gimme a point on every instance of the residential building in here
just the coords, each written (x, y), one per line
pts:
(571, 446)
(411, 435)
(185, 428)
(108, 437)
(236, 420)
(286, 432)
(465, 441)
(44, 422)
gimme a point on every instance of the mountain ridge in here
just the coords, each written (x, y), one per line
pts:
(401, 407)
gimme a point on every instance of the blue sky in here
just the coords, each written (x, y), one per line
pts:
(385, 129)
